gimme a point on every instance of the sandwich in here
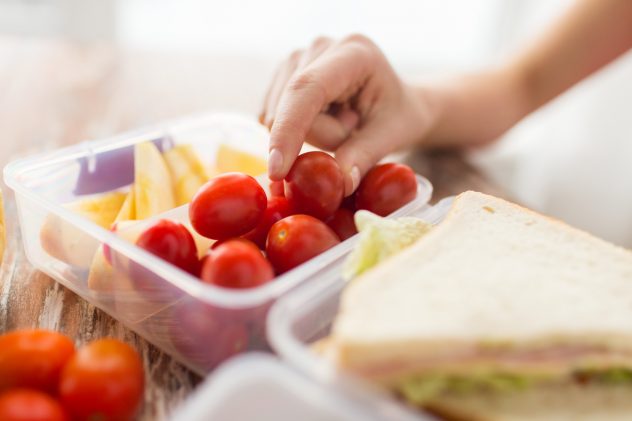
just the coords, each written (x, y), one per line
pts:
(495, 314)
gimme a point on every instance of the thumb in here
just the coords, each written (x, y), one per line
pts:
(358, 154)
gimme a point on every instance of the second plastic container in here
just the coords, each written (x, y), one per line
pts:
(305, 316)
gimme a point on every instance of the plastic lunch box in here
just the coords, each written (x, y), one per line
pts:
(198, 324)
(260, 387)
(305, 315)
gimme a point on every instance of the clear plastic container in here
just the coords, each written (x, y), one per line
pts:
(260, 387)
(306, 314)
(199, 324)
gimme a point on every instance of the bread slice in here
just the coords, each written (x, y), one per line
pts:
(492, 287)
(571, 402)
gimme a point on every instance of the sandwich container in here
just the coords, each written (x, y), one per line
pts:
(297, 321)
(260, 387)
(198, 324)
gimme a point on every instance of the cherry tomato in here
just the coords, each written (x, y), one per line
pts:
(343, 224)
(33, 359)
(278, 208)
(296, 239)
(236, 264)
(277, 189)
(30, 405)
(103, 380)
(386, 188)
(229, 205)
(172, 242)
(315, 185)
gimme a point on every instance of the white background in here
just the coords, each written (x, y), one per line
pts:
(572, 159)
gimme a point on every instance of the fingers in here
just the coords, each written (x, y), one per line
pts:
(297, 60)
(335, 75)
(362, 151)
(329, 131)
(285, 71)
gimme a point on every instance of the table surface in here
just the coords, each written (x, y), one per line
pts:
(52, 94)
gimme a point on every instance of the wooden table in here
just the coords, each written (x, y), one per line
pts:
(54, 93)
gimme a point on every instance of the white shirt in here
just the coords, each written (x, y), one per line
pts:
(573, 158)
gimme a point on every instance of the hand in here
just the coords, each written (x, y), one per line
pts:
(345, 97)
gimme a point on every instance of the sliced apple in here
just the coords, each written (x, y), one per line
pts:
(128, 210)
(101, 209)
(71, 245)
(229, 159)
(187, 172)
(153, 188)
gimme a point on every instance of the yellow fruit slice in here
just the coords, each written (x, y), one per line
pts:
(71, 245)
(101, 209)
(230, 159)
(381, 238)
(187, 172)
(127, 211)
(153, 189)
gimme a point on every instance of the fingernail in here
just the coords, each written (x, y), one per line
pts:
(354, 176)
(275, 163)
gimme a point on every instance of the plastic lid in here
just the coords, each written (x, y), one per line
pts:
(261, 387)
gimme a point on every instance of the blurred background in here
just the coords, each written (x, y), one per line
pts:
(568, 159)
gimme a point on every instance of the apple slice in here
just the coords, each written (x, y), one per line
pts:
(128, 210)
(187, 172)
(153, 188)
(71, 245)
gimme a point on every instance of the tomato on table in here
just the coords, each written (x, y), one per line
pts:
(33, 358)
(296, 239)
(386, 188)
(315, 185)
(229, 205)
(277, 209)
(103, 380)
(30, 405)
(171, 241)
(236, 264)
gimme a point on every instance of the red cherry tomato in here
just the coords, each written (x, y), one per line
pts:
(277, 188)
(103, 380)
(343, 224)
(236, 264)
(386, 188)
(172, 242)
(229, 205)
(30, 405)
(33, 359)
(315, 185)
(296, 239)
(278, 208)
